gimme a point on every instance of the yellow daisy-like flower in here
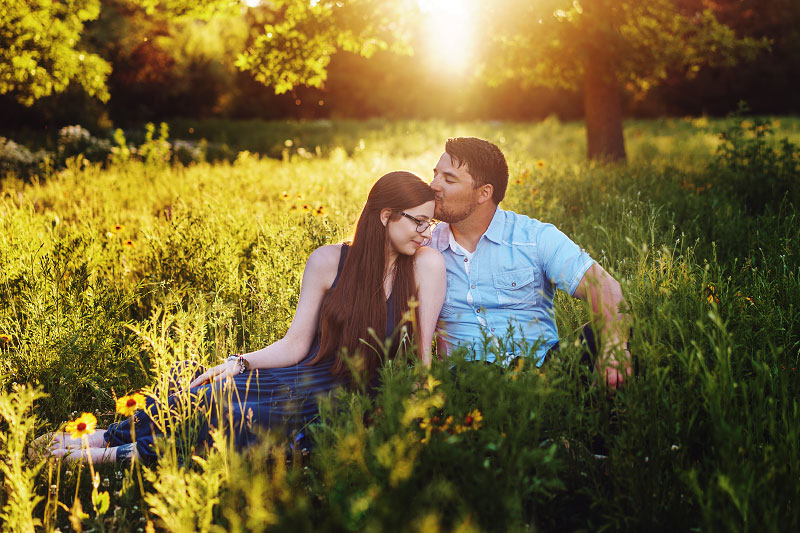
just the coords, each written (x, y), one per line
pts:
(285, 195)
(473, 420)
(540, 164)
(128, 243)
(84, 425)
(118, 227)
(127, 405)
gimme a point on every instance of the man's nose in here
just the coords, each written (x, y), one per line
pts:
(436, 183)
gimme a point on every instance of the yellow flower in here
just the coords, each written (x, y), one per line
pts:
(285, 195)
(473, 420)
(5, 338)
(540, 164)
(431, 383)
(128, 243)
(84, 425)
(118, 228)
(321, 210)
(127, 405)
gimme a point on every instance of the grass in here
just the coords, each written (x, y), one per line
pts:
(112, 273)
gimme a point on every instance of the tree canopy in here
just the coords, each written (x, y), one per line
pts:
(604, 47)
(165, 50)
(39, 52)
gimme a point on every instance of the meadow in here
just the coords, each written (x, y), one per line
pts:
(111, 271)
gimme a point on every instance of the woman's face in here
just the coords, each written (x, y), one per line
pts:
(402, 234)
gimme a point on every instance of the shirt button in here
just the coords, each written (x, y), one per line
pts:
(473, 286)
(466, 260)
(513, 283)
(492, 329)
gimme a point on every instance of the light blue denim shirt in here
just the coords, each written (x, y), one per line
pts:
(501, 298)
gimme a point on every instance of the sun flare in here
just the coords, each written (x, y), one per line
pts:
(449, 41)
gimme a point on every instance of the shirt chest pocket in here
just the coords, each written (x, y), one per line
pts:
(516, 289)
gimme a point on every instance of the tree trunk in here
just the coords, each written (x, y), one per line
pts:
(602, 108)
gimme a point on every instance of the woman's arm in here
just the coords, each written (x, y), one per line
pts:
(431, 277)
(318, 277)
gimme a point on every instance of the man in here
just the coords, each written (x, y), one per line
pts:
(503, 268)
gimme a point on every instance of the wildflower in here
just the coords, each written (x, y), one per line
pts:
(473, 420)
(431, 383)
(518, 181)
(84, 425)
(540, 164)
(293, 207)
(5, 338)
(127, 405)
(299, 197)
(306, 207)
(320, 210)
(118, 228)
(285, 195)
(128, 243)
(711, 294)
(288, 143)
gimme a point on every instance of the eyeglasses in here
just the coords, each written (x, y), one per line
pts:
(422, 225)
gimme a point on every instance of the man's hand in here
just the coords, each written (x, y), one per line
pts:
(612, 371)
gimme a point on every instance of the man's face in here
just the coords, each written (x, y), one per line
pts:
(456, 195)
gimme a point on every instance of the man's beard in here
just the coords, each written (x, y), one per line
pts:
(452, 217)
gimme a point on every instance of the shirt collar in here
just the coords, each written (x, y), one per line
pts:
(441, 236)
(495, 230)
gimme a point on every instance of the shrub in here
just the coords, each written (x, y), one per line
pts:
(76, 140)
(760, 172)
(19, 160)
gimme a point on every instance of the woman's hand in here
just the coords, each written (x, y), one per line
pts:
(216, 373)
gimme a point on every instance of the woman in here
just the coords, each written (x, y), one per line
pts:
(346, 290)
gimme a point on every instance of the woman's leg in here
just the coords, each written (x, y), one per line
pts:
(62, 439)
(114, 454)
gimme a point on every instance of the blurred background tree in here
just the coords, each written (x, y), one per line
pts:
(38, 52)
(160, 59)
(605, 47)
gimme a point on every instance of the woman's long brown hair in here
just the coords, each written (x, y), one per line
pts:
(358, 302)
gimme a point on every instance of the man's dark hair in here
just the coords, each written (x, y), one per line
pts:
(485, 162)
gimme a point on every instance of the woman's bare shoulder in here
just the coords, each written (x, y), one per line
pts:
(324, 262)
(429, 260)
(326, 257)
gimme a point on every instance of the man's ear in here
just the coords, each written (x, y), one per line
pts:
(386, 213)
(485, 193)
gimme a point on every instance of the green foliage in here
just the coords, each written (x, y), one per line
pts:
(111, 275)
(38, 53)
(759, 171)
(297, 49)
(19, 477)
(549, 43)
